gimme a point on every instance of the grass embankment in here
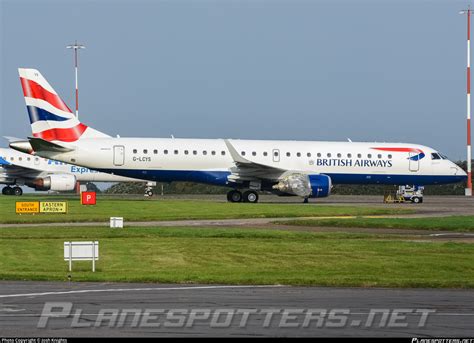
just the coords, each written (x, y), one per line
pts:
(152, 209)
(451, 223)
(238, 256)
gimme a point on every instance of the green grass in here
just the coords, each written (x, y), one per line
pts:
(238, 256)
(452, 223)
(149, 210)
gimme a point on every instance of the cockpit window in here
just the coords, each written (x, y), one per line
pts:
(444, 157)
(435, 156)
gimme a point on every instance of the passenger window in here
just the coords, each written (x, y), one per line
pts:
(20, 159)
(195, 152)
(29, 159)
(298, 154)
(243, 153)
(186, 152)
(166, 152)
(155, 151)
(349, 155)
(369, 155)
(329, 154)
(379, 156)
(359, 155)
(339, 155)
(308, 154)
(223, 153)
(254, 153)
(204, 152)
(176, 152)
(389, 156)
(319, 154)
(275, 154)
(213, 152)
(288, 154)
(134, 151)
(145, 151)
(265, 153)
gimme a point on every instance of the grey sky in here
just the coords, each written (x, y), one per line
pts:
(312, 70)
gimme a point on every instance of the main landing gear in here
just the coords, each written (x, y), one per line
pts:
(237, 196)
(12, 190)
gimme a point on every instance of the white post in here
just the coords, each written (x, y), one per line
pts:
(70, 256)
(93, 256)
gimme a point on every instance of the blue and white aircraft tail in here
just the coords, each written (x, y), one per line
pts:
(302, 168)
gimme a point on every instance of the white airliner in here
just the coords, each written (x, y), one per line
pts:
(302, 168)
(18, 169)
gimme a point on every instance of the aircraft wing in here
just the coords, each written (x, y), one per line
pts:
(9, 171)
(246, 170)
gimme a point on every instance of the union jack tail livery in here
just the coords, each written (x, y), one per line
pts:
(50, 118)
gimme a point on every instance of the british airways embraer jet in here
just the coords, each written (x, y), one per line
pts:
(302, 168)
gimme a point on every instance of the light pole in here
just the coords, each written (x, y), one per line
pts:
(468, 190)
(76, 47)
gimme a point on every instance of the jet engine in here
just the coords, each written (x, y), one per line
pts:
(303, 185)
(55, 182)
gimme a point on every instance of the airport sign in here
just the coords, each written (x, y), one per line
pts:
(27, 207)
(53, 207)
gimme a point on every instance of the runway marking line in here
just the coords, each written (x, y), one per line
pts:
(131, 290)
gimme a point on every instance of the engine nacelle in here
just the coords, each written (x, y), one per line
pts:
(320, 185)
(303, 185)
(55, 182)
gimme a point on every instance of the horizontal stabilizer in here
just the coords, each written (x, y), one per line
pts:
(13, 139)
(39, 144)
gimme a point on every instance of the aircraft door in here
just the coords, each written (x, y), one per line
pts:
(119, 155)
(414, 164)
(276, 155)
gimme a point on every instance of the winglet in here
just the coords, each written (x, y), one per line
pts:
(234, 154)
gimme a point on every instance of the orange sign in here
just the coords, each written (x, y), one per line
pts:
(27, 207)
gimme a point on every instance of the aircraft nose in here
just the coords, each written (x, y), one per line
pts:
(458, 171)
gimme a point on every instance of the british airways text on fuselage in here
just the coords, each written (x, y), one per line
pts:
(336, 162)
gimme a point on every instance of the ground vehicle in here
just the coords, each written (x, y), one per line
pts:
(411, 193)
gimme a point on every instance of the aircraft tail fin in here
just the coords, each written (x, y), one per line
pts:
(51, 119)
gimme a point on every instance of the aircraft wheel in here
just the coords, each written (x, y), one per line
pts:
(7, 190)
(149, 193)
(234, 196)
(17, 191)
(416, 200)
(250, 196)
